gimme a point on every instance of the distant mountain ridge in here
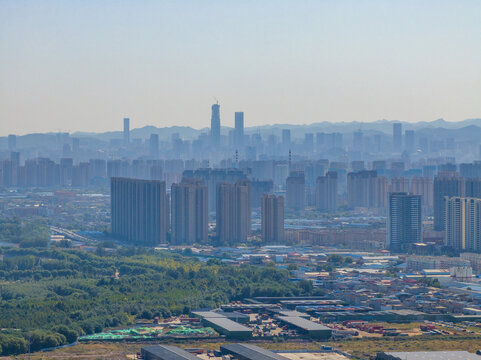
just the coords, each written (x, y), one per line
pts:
(469, 129)
(379, 126)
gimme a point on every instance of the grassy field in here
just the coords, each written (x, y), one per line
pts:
(361, 348)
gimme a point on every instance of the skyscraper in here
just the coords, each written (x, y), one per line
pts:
(358, 142)
(463, 223)
(409, 141)
(404, 225)
(272, 219)
(15, 157)
(326, 192)
(296, 191)
(445, 184)
(309, 143)
(154, 146)
(239, 130)
(233, 212)
(126, 131)
(397, 136)
(75, 145)
(286, 139)
(12, 142)
(215, 125)
(139, 210)
(189, 214)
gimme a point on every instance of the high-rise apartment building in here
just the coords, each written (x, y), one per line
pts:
(326, 192)
(473, 188)
(308, 143)
(399, 184)
(75, 145)
(233, 212)
(214, 176)
(357, 142)
(445, 184)
(81, 175)
(15, 157)
(423, 186)
(126, 131)
(260, 188)
(215, 125)
(139, 210)
(189, 212)
(361, 189)
(296, 191)
(154, 146)
(286, 139)
(463, 223)
(239, 130)
(404, 225)
(397, 136)
(272, 219)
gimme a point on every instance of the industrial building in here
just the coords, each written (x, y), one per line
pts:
(229, 328)
(307, 327)
(165, 352)
(223, 325)
(232, 315)
(427, 355)
(249, 352)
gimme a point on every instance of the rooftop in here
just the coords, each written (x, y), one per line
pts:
(251, 352)
(166, 352)
(433, 355)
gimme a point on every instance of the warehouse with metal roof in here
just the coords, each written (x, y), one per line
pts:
(307, 327)
(428, 355)
(165, 352)
(249, 352)
(227, 327)
(233, 315)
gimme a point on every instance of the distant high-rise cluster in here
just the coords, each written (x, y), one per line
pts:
(228, 183)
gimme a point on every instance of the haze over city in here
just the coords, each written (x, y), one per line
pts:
(82, 65)
(240, 180)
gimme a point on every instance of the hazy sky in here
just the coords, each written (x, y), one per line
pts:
(84, 65)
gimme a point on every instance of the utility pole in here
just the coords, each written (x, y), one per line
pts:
(28, 343)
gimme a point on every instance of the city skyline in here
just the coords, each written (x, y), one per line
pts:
(81, 67)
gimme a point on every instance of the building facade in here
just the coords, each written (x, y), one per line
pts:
(463, 223)
(233, 212)
(404, 225)
(189, 212)
(326, 192)
(139, 210)
(296, 191)
(272, 219)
